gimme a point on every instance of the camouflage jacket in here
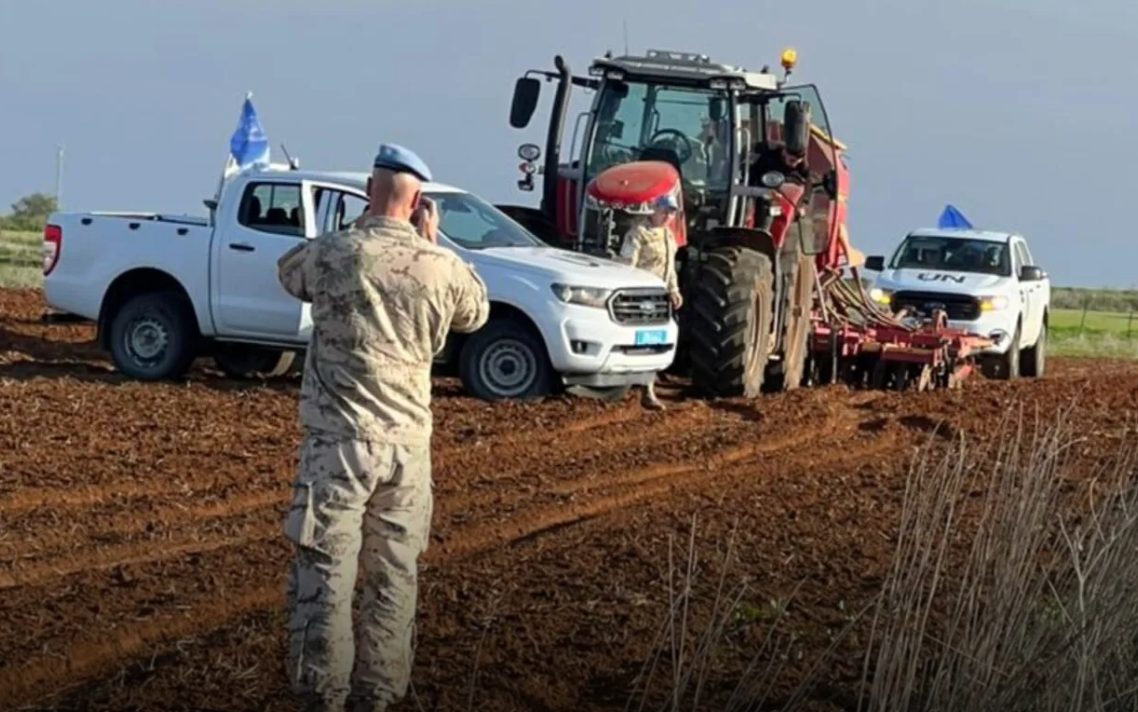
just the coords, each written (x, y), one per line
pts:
(654, 250)
(383, 300)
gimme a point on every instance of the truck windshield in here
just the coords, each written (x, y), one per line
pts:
(957, 254)
(473, 223)
(638, 121)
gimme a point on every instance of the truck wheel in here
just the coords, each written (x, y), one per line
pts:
(152, 337)
(798, 301)
(247, 361)
(505, 360)
(1032, 360)
(1009, 364)
(731, 321)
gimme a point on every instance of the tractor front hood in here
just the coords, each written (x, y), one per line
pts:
(633, 185)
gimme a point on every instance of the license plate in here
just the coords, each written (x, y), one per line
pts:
(651, 337)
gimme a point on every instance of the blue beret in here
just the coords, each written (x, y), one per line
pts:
(402, 160)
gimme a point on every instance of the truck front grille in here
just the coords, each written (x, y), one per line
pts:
(640, 307)
(958, 307)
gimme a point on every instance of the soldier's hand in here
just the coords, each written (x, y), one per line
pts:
(428, 220)
(677, 300)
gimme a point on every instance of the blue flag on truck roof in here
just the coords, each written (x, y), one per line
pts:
(953, 219)
(249, 146)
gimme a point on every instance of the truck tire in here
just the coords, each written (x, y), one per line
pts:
(248, 361)
(505, 360)
(1009, 363)
(152, 336)
(731, 320)
(798, 302)
(1033, 358)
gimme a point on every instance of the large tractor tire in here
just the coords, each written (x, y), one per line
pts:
(797, 303)
(731, 320)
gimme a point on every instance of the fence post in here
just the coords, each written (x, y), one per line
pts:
(1083, 321)
(1129, 323)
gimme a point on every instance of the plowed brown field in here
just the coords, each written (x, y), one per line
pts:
(142, 561)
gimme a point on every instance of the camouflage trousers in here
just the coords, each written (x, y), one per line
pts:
(358, 508)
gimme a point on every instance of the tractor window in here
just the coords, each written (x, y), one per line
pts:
(650, 122)
(776, 108)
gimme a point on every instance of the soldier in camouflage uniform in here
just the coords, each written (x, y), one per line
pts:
(650, 245)
(384, 295)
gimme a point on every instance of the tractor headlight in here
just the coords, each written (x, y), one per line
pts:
(996, 303)
(773, 179)
(881, 296)
(582, 296)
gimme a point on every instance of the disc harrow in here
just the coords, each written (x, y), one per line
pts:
(857, 342)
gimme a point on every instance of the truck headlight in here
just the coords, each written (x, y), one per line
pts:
(996, 303)
(582, 296)
(881, 296)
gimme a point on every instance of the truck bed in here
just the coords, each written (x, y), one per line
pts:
(98, 247)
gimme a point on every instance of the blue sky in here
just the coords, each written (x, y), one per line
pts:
(1017, 111)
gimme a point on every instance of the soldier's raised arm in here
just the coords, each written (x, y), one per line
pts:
(472, 302)
(292, 271)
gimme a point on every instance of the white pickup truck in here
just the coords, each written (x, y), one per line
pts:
(986, 282)
(164, 290)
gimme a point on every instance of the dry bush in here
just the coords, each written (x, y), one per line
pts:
(1012, 588)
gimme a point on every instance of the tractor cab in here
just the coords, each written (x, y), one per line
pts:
(676, 121)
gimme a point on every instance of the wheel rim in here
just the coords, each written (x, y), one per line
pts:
(508, 368)
(146, 340)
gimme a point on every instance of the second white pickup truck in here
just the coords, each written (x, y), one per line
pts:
(986, 282)
(164, 290)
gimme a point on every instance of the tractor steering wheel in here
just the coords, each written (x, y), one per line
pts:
(683, 157)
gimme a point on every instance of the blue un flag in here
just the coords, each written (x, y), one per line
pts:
(249, 146)
(952, 218)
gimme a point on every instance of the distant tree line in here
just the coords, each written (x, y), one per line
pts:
(29, 213)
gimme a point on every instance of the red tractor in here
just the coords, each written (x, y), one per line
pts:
(761, 229)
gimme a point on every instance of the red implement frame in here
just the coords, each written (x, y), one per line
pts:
(855, 341)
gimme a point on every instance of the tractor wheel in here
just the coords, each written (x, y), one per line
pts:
(731, 322)
(798, 301)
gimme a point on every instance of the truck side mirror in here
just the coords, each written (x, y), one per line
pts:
(796, 127)
(1031, 273)
(875, 263)
(526, 91)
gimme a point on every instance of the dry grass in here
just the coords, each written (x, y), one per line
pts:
(1011, 588)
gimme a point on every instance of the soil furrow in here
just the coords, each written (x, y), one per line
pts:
(125, 522)
(38, 573)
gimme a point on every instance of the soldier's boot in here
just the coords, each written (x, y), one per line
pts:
(649, 400)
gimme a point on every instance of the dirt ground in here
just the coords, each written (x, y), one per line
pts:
(142, 562)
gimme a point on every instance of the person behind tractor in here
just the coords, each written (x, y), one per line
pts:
(651, 246)
(384, 296)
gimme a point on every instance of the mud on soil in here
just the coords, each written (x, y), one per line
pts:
(142, 562)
